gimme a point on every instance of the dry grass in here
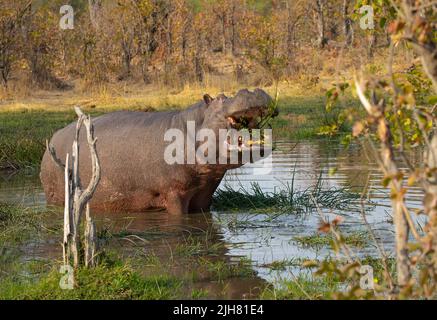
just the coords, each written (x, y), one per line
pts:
(107, 98)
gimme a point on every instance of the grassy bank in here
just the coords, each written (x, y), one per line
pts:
(23, 135)
(120, 279)
(109, 280)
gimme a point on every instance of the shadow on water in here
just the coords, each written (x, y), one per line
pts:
(198, 246)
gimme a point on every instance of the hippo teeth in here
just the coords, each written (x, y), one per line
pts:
(240, 141)
(243, 146)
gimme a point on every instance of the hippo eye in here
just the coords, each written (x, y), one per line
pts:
(231, 120)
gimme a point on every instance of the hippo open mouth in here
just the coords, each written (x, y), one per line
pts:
(248, 111)
(246, 119)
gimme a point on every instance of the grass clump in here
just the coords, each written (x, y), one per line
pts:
(17, 223)
(221, 270)
(282, 265)
(284, 201)
(302, 287)
(197, 294)
(195, 246)
(355, 239)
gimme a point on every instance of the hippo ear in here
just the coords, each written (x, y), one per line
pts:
(208, 99)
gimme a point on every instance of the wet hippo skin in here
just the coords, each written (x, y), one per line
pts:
(131, 149)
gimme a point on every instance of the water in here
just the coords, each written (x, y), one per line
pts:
(302, 164)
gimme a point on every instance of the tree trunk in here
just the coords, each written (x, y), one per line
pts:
(223, 25)
(95, 9)
(233, 28)
(289, 31)
(348, 30)
(401, 224)
(371, 45)
(127, 56)
(197, 60)
(321, 39)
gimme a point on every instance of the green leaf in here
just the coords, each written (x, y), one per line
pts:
(432, 100)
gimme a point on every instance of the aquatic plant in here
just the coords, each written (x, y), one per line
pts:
(16, 223)
(359, 239)
(287, 200)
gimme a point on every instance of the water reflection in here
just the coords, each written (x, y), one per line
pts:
(175, 240)
(23, 187)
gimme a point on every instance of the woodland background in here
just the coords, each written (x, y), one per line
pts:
(175, 43)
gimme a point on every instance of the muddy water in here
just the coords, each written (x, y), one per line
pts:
(262, 241)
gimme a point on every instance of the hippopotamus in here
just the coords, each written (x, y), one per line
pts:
(131, 148)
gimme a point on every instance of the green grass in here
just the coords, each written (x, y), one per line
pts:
(302, 287)
(304, 117)
(197, 294)
(23, 136)
(107, 281)
(198, 246)
(287, 200)
(117, 279)
(149, 276)
(221, 270)
(355, 239)
(19, 223)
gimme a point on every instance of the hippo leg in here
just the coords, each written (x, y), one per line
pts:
(177, 204)
(201, 201)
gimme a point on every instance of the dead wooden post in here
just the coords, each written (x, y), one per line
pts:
(67, 208)
(77, 199)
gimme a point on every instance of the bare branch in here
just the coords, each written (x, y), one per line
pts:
(77, 200)
(55, 159)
